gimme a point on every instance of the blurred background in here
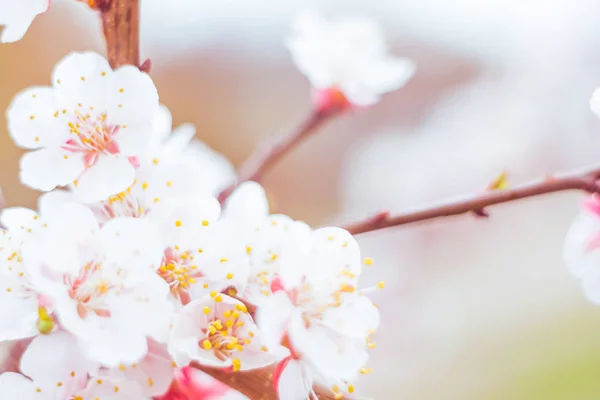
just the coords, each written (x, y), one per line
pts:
(473, 309)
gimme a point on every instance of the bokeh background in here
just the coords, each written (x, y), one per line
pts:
(473, 309)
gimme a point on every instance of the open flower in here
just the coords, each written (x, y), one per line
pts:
(17, 16)
(346, 60)
(86, 129)
(102, 282)
(318, 313)
(262, 234)
(202, 255)
(218, 331)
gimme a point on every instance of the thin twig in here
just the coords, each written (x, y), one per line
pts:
(268, 155)
(121, 25)
(586, 181)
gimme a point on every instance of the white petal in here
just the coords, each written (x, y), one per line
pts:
(580, 260)
(181, 220)
(113, 347)
(48, 168)
(595, 102)
(32, 119)
(131, 244)
(16, 218)
(132, 139)
(333, 258)
(333, 355)
(82, 78)
(273, 316)
(17, 16)
(132, 97)
(356, 317)
(49, 203)
(16, 386)
(50, 359)
(163, 124)
(18, 314)
(108, 176)
(248, 204)
(293, 383)
(113, 388)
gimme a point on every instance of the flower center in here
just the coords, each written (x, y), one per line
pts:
(89, 291)
(91, 135)
(124, 204)
(180, 272)
(224, 338)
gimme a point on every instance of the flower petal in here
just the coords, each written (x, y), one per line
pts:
(108, 176)
(48, 168)
(132, 97)
(16, 386)
(81, 80)
(32, 119)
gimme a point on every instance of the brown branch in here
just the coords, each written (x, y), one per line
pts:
(586, 181)
(121, 25)
(256, 384)
(268, 155)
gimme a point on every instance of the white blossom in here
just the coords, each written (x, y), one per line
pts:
(102, 282)
(218, 331)
(346, 59)
(17, 16)
(87, 129)
(263, 235)
(318, 313)
(201, 254)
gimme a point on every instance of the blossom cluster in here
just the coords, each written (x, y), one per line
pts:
(131, 272)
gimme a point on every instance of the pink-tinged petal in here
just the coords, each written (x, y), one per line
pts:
(48, 168)
(109, 176)
(16, 386)
(191, 384)
(293, 382)
(81, 78)
(577, 253)
(35, 119)
(593, 242)
(591, 204)
(54, 358)
(154, 373)
(272, 317)
(132, 98)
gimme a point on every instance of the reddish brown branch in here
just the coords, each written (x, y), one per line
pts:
(586, 181)
(256, 384)
(121, 25)
(269, 154)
